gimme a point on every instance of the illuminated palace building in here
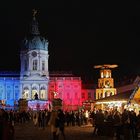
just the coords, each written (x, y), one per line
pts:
(34, 80)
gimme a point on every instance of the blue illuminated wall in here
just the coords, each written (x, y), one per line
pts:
(9, 88)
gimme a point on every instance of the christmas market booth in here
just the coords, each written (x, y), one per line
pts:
(126, 100)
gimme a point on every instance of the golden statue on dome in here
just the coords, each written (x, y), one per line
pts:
(34, 12)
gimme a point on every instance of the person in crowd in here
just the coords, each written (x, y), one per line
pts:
(39, 119)
(126, 124)
(72, 118)
(99, 123)
(133, 123)
(67, 117)
(6, 128)
(54, 124)
(48, 115)
(92, 116)
(35, 118)
(43, 121)
(61, 119)
(109, 125)
(117, 124)
(138, 123)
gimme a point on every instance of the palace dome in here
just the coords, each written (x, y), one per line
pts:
(35, 43)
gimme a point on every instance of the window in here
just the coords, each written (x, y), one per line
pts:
(101, 95)
(98, 96)
(8, 87)
(68, 86)
(34, 64)
(8, 94)
(111, 93)
(76, 96)
(106, 94)
(89, 95)
(75, 86)
(83, 95)
(68, 95)
(16, 87)
(43, 65)
(60, 86)
(16, 94)
(42, 88)
(1, 94)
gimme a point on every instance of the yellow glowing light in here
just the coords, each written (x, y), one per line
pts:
(112, 102)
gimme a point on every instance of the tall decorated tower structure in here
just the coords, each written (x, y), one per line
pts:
(34, 74)
(105, 82)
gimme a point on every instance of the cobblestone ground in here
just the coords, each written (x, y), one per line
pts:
(28, 132)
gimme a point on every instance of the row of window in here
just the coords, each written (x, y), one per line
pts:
(9, 94)
(35, 65)
(107, 94)
(89, 95)
(8, 86)
(68, 86)
(40, 95)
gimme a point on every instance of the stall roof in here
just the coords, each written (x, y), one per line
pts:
(118, 97)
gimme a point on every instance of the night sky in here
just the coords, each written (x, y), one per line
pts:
(80, 34)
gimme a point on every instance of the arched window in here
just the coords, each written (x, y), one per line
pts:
(101, 95)
(34, 64)
(34, 88)
(42, 88)
(111, 93)
(98, 96)
(106, 94)
(25, 93)
(26, 88)
(42, 92)
(43, 65)
(34, 92)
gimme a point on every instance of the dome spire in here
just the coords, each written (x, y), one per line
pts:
(34, 24)
(34, 13)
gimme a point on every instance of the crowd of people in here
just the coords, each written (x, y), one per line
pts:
(56, 119)
(122, 126)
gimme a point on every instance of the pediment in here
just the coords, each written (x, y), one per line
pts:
(36, 77)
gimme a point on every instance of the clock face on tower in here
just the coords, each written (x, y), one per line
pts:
(34, 54)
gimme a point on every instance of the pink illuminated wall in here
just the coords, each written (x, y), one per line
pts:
(68, 89)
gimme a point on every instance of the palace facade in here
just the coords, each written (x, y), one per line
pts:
(34, 82)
